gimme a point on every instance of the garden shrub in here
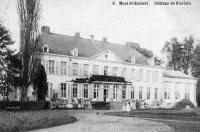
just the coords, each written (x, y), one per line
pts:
(183, 103)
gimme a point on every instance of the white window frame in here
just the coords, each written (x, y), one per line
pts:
(75, 90)
(140, 75)
(123, 92)
(63, 68)
(75, 69)
(85, 91)
(105, 70)
(51, 66)
(85, 70)
(156, 93)
(140, 92)
(96, 91)
(115, 90)
(148, 93)
(133, 92)
(63, 90)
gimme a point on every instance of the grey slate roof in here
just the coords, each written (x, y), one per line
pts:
(63, 44)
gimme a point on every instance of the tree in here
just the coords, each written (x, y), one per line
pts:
(5, 52)
(29, 12)
(40, 83)
(195, 65)
(179, 54)
(174, 51)
(157, 61)
(187, 53)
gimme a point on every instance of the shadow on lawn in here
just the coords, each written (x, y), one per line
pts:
(32, 120)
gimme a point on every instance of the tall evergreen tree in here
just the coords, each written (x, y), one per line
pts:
(40, 83)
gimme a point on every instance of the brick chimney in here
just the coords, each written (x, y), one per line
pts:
(77, 35)
(45, 29)
(105, 40)
(91, 37)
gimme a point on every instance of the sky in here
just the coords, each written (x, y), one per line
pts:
(149, 25)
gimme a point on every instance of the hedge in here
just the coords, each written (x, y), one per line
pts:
(183, 103)
(23, 105)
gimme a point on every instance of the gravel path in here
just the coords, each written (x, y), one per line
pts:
(89, 121)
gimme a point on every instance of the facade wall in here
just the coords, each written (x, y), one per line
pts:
(147, 82)
(140, 76)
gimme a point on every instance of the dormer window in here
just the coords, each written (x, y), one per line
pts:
(106, 56)
(74, 52)
(132, 59)
(45, 49)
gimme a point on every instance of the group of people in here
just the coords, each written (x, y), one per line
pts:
(131, 105)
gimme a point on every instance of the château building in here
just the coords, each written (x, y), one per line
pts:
(103, 71)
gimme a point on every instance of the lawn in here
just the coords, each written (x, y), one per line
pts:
(173, 118)
(31, 120)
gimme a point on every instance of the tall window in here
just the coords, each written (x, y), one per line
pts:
(115, 87)
(85, 91)
(187, 91)
(75, 91)
(132, 92)
(85, 70)
(177, 91)
(140, 92)
(75, 69)
(96, 91)
(95, 69)
(63, 90)
(166, 92)
(124, 92)
(51, 66)
(133, 74)
(115, 71)
(140, 75)
(148, 93)
(63, 68)
(156, 76)
(148, 76)
(105, 70)
(156, 93)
